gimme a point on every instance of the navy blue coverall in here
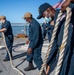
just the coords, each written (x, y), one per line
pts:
(68, 59)
(49, 31)
(8, 37)
(45, 28)
(36, 42)
(68, 63)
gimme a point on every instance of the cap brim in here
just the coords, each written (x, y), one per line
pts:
(40, 16)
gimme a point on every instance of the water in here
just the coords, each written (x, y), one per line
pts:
(19, 28)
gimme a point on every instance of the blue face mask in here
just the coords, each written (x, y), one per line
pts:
(47, 20)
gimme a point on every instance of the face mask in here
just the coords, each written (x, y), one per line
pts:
(47, 20)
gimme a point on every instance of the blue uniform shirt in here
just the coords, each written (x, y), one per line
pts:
(50, 29)
(44, 25)
(35, 34)
(7, 25)
(44, 29)
(8, 33)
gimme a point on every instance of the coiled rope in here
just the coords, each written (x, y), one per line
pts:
(64, 41)
(10, 57)
(53, 37)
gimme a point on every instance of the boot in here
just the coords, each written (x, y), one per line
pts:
(30, 67)
(8, 59)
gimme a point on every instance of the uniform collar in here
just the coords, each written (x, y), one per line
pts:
(31, 21)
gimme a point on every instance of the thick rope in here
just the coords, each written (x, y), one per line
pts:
(10, 57)
(64, 41)
(51, 42)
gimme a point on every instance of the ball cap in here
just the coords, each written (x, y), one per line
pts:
(42, 8)
(27, 15)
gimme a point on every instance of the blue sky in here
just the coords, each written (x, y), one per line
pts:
(15, 9)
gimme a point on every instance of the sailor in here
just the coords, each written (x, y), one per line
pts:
(48, 26)
(7, 30)
(36, 40)
(68, 60)
(45, 28)
(43, 14)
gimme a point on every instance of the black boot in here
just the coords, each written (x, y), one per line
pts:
(30, 67)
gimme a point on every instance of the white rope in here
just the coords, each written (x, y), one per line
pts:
(64, 41)
(51, 42)
(10, 57)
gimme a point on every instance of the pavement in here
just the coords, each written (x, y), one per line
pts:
(19, 55)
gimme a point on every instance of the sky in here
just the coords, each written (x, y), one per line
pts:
(14, 10)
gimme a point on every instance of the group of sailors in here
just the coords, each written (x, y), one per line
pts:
(35, 39)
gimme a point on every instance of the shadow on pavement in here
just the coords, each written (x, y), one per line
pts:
(19, 55)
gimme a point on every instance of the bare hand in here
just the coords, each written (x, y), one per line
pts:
(52, 23)
(46, 28)
(29, 51)
(65, 5)
(27, 42)
(47, 69)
